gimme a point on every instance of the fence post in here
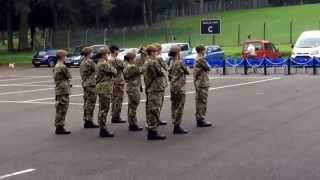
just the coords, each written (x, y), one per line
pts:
(105, 31)
(314, 66)
(190, 43)
(291, 31)
(264, 31)
(239, 35)
(167, 32)
(265, 66)
(245, 65)
(69, 40)
(289, 66)
(123, 36)
(224, 67)
(86, 37)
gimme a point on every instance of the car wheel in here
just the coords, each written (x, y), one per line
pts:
(36, 65)
(51, 63)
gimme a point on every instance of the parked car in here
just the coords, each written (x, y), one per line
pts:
(126, 51)
(259, 49)
(46, 57)
(214, 55)
(96, 50)
(307, 45)
(74, 58)
(185, 50)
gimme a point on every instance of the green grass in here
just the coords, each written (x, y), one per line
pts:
(304, 17)
(15, 57)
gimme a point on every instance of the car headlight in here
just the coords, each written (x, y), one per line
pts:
(315, 52)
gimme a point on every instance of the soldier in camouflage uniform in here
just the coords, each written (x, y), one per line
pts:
(88, 76)
(105, 80)
(155, 87)
(62, 80)
(132, 75)
(201, 83)
(164, 69)
(118, 89)
(177, 78)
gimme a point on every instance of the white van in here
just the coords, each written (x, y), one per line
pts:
(307, 45)
(185, 50)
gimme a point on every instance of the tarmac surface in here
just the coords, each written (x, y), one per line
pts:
(266, 128)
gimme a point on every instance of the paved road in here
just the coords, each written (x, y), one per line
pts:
(266, 128)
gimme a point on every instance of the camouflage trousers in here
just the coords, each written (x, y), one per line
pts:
(177, 106)
(117, 99)
(134, 101)
(153, 108)
(89, 99)
(62, 105)
(104, 106)
(201, 103)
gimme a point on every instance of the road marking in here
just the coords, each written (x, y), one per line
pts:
(17, 173)
(22, 78)
(190, 92)
(27, 91)
(43, 99)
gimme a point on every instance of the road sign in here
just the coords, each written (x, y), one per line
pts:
(210, 26)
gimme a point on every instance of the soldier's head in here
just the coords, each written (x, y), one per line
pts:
(175, 52)
(151, 51)
(86, 52)
(61, 55)
(129, 57)
(158, 47)
(114, 49)
(103, 54)
(200, 49)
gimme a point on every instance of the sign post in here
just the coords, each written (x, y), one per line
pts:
(210, 27)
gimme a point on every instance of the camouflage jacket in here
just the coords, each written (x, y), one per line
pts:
(132, 75)
(119, 66)
(177, 76)
(201, 73)
(62, 79)
(153, 76)
(105, 78)
(88, 73)
(164, 69)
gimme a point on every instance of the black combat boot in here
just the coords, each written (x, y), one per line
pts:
(154, 135)
(90, 125)
(60, 130)
(118, 121)
(104, 133)
(203, 123)
(179, 130)
(162, 123)
(135, 128)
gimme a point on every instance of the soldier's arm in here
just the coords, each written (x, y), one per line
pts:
(204, 65)
(163, 64)
(157, 69)
(68, 76)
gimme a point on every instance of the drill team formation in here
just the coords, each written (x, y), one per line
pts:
(108, 80)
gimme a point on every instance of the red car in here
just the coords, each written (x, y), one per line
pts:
(258, 49)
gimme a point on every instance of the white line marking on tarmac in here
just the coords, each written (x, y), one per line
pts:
(27, 91)
(191, 92)
(22, 78)
(43, 99)
(17, 173)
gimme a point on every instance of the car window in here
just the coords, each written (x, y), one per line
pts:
(268, 47)
(42, 53)
(209, 50)
(257, 46)
(52, 52)
(308, 43)
(184, 47)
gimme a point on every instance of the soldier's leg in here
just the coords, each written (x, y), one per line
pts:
(161, 123)
(152, 114)
(153, 109)
(173, 99)
(201, 103)
(85, 98)
(134, 101)
(118, 93)
(62, 104)
(104, 105)
(91, 103)
(180, 99)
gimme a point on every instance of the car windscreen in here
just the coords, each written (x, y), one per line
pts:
(42, 53)
(166, 48)
(52, 52)
(308, 43)
(257, 46)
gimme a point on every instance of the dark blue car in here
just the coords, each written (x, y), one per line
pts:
(214, 56)
(48, 58)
